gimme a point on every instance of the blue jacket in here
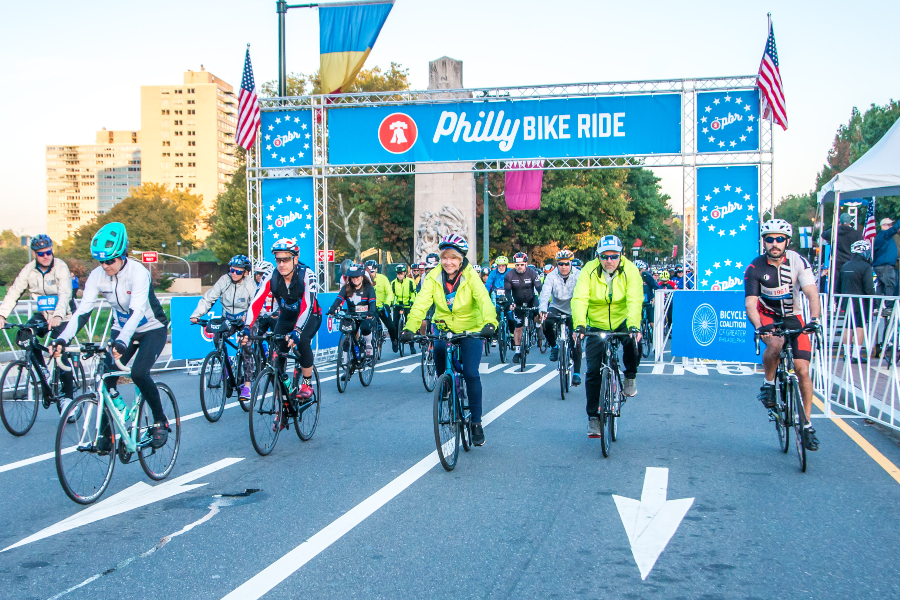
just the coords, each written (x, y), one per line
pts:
(885, 248)
(495, 280)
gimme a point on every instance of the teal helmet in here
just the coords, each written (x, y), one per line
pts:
(110, 242)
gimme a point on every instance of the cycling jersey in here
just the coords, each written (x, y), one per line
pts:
(650, 286)
(358, 302)
(557, 291)
(404, 291)
(520, 287)
(130, 295)
(51, 289)
(778, 288)
(608, 301)
(235, 297)
(296, 301)
(382, 290)
(496, 279)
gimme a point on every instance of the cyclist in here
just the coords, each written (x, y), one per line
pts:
(495, 279)
(357, 296)
(261, 270)
(608, 296)
(773, 283)
(385, 298)
(520, 285)
(556, 298)
(463, 305)
(856, 278)
(577, 264)
(48, 282)
(650, 286)
(75, 285)
(431, 261)
(404, 293)
(139, 324)
(547, 269)
(485, 273)
(235, 289)
(414, 274)
(293, 287)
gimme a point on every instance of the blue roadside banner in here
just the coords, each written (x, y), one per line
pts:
(714, 326)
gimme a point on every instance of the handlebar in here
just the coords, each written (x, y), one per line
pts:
(450, 337)
(609, 334)
(353, 316)
(786, 333)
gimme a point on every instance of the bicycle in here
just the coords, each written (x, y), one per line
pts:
(355, 359)
(611, 395)
(529, 334)
(646, 331)
(379, 337)
(274, 402)
(221, 374)
(83, 465)
(25, 382)
(565, 361)
(503, 334)
(789, 412)
(401, 323)
(451, 414)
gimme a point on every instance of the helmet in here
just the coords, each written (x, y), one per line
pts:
(501, 260)
(454, 241)
(354, 271)
(664, 276)
(41, 242)
(371, 264)
(564, 254)
(548, 267)
(641, 264)
(609, 242)
(576, 263)
(776, 226)
(678, 267)
(263, 266)
(415, 266)
(286, 245)
(240, 261)
(860, 247)
(520, 257)
(400, 269)
(110, 241)
(432, 260)
(485, 271)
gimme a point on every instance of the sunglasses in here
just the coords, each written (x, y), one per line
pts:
(108, 262)
(609, 256)
(237, 271)
(45, 253)
(286, 259)
(774, 239)
(563, 264)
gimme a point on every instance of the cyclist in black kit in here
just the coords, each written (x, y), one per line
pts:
(523, 287)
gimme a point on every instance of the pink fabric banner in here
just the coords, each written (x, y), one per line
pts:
(523, 188)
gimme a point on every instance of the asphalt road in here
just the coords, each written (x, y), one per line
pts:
(364, 510)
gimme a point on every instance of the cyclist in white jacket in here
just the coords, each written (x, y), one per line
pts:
(555, 303)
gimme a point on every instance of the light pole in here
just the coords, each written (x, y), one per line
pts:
(179, 247)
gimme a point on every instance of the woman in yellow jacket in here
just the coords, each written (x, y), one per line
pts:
(461, 301)
(609, 296)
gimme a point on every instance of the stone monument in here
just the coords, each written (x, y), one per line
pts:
(445, 202)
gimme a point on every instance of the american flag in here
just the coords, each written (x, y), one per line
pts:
(248, 107)
(869, 230)
(769, 81)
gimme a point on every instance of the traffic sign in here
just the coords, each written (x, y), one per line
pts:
(320, 254)
(149, 257)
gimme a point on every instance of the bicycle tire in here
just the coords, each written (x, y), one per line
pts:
(83, 475)
(541, 340)
(446, 427)
(212, 386)
(237, 368)
(265, 412)
(646, 340)
(799, 420)
(342, 375)
(781, 407)
(367, 372)
(429, 370)
(20, 395)
(523, 349)
(159, 462)
(502, 341)
(615, 401)
(307, 419)
(562, 367)
(604, 413)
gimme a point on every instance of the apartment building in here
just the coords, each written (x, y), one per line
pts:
(187, 134)
(86, 180)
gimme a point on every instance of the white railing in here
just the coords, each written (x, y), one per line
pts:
(662, 326)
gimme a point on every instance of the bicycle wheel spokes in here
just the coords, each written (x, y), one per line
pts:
(429, 370)
(212, 387)
(446, 428)
(306, 422)
(19, 398)
(159, 462)
(780, 415)
(605, 405)
(799, 419)
(83, 472)
(265, 413)
(368, 370)
(343, 368)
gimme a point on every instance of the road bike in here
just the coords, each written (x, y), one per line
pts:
(529, 334)
(429, 369)
(565, 362)
(26, 383)
(503, 334)
(452, 417)
(646, 331)
(87, 446)
(274, 401)
(221, 373)
(789, 412)
(351, 352)
(379, 336)
(611, 395)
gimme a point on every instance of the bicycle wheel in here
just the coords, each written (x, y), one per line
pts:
(265, 412)
(212, 386)
(343, 369)
(305, 423)
(605, 433)
(446, 428)
(646, 339)
(237, 369)
(368, 370)
(799, 420)
(502, 342)
(84, 474)
(780, 416)
(563, 368)
(429, 370)
(615, 405)
(538, 332)
(523, 349)
(159, 462)
(19, 398)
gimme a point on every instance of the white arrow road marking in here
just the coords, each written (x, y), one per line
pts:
(136, 496)
(484, 369)
(514, 370)
(652, 522)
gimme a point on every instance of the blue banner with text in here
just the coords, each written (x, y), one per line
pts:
(712, 325)
(728, 121)
(286, 138)
(288, 209)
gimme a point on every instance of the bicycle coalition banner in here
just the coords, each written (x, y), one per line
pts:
(285, 138)
(712, 325)
(505, 129)
(288, 210)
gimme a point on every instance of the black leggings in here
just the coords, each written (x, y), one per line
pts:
(595, 351)
(386, 320)
(148, 346)
(553, 317)
(284, 327)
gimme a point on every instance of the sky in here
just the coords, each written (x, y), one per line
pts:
(75, 68)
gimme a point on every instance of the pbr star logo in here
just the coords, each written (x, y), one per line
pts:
(397, 133)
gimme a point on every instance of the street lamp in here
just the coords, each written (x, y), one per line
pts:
(179, 247)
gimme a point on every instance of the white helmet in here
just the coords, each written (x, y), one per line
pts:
(777, 226)
(860, 247)
(611, 242)
(263, 266)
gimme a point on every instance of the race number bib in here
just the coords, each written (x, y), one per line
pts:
(47, 303)
(777, 293)
(362, 308)
(501, 292)
(122, 318)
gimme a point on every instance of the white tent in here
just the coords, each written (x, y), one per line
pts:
(877, 173)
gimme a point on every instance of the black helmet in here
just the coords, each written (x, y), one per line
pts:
(400, 269)
(355, 271)
(371, 264)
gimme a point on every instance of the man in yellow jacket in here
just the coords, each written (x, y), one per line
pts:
(608, 296)
(384, 298)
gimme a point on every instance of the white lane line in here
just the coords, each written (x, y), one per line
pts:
(281, 569)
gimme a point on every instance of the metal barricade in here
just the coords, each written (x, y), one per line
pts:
(662, 323)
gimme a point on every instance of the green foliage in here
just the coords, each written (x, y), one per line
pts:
(799, 211)
(395, 79)
(228, 220)
(8, 239)
(152, 214)
(205, 255)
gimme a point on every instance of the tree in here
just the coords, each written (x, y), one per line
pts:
(152, 213)
(799, 211)
(228, 220)
(12, 256)
(395, 79)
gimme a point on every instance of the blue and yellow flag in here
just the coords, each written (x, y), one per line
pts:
(347, 33)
